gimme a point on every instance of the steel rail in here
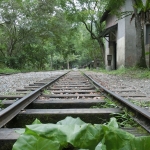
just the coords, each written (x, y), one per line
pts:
(139, 112)
(11, 111)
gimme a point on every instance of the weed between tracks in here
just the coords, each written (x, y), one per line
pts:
(143, 104)
(47, 92)
(108, 104)
(123, 119)
(1, 104)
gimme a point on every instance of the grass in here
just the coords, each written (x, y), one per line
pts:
(8, 70)
(47, 92)
(144, 104)
(124, 119)
(1, 105)
(108, 104)
(128, 72)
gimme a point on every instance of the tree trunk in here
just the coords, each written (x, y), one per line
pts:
(68, 65)
(102, 48)
(11, 46)
(51, 61)
(140, 48)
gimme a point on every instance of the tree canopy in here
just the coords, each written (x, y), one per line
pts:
(52, 34)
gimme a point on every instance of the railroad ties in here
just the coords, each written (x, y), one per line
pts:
(72, 95)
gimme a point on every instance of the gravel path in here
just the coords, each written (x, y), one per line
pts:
(114, 81)
(9, 83)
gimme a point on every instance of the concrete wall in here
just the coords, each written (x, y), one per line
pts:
(111, 20)
(120, 41)
(125, 39)
(130, 38)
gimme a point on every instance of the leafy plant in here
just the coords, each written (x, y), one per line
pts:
(78, 134)
(108, 103)
(125, 120)
(1, 105)
(47, 92)
(145, 104)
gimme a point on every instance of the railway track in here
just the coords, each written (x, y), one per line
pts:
(51, 100)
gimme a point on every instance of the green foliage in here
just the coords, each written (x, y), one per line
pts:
(8, 70)
(75, 133)
(141, 7)
(89, 14)
(133, 72)
(142, 11)
(119, 71)
(40, 34)
(1, 105)
(144, 104)
(108, 103)
(47, 92)
(113, 5)
(141, 15)
(125, 120)
(33, 32)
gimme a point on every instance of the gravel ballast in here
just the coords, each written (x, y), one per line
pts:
(9, 83)
(114, 81)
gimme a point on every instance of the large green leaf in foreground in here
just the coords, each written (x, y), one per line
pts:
(80, 135)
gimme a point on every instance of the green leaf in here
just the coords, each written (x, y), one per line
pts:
(113, 123)
(36, 121)
(71, 121)
(90, 134)
(21, 131)
(49, 131)
(80, 135)
(100, 146)
(140, 143)
(31, 142)
(116, 139)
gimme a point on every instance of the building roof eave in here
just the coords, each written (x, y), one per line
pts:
(108, 30)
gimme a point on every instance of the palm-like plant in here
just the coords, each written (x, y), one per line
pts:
(143, 11)
(142, 15)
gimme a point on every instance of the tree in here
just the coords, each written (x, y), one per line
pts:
(87, 12)
(34, 32)
(90, 13)
(142, 16)
(24, 24)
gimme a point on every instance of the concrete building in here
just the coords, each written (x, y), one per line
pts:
(120, 35)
